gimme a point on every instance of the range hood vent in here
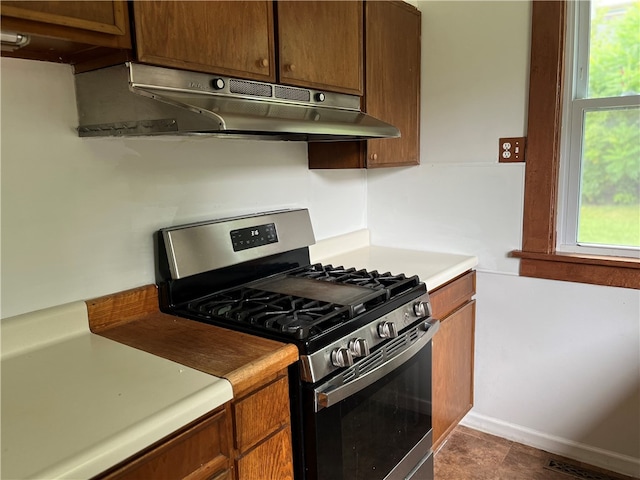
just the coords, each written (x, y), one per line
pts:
(136, 99)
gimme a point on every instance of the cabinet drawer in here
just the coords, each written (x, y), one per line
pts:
(200, 451)
(451, 296)
(261, 413)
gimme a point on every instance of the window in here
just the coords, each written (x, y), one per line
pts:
(539, 256)
(599, 201)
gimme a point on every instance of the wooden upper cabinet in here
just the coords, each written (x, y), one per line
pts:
(104, 17)
(68, 31)
(320, 45)
(392, 91)
(234, 38)
(393, 81)
(319, 42)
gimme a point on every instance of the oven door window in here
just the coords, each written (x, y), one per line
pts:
(366, 435)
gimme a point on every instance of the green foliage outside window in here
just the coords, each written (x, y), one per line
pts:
(611, 150)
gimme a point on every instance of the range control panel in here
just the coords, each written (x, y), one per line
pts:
(251, 237)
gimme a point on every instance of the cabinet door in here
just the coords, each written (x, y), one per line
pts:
(320, 44)
(103, 17)
(234, 38)
(270, 460)
(392, 91)
(393, 81)
(453, 348)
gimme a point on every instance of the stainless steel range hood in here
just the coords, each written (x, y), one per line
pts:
(136, 99)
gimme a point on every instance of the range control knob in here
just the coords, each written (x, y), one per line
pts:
(387, 330)
(341, 357)
(320, 97)
(422, 309)
(217, 84)
(358, 347)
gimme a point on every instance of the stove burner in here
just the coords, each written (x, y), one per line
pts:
(300, 322)
(292, 315)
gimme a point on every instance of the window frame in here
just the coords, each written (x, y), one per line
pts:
(538, 256)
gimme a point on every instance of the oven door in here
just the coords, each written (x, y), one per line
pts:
(374, 420)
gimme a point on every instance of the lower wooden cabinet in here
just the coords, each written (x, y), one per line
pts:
(453, 352)
(202, 450)
(248, 438)
(262, 440)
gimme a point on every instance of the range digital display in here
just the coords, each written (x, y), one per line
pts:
(251, 237)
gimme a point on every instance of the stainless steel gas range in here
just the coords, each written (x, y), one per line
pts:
(361, 392)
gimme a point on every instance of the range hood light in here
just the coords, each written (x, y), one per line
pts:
(12, 41)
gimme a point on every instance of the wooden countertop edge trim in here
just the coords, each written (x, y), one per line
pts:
(140, 305)
(244, 379)
(122, 307)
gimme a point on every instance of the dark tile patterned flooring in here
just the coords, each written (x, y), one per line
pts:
(472, 455)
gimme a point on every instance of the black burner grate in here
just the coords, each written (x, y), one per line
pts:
(394, 284)
(296, 316)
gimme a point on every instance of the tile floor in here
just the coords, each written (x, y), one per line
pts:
(472, 455)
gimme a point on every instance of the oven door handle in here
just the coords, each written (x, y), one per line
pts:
(324, 399)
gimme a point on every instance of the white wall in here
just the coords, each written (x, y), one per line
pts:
(557, 364)
(78, 214)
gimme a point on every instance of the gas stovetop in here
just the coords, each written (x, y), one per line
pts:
(305, 303)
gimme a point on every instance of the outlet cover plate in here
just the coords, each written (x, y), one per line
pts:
(511, 149)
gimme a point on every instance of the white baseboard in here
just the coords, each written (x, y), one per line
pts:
(597, 457)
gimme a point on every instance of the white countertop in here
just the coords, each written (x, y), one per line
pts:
(75, 403)
(354, 250)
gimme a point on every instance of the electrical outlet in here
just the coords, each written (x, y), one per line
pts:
(512, 149)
